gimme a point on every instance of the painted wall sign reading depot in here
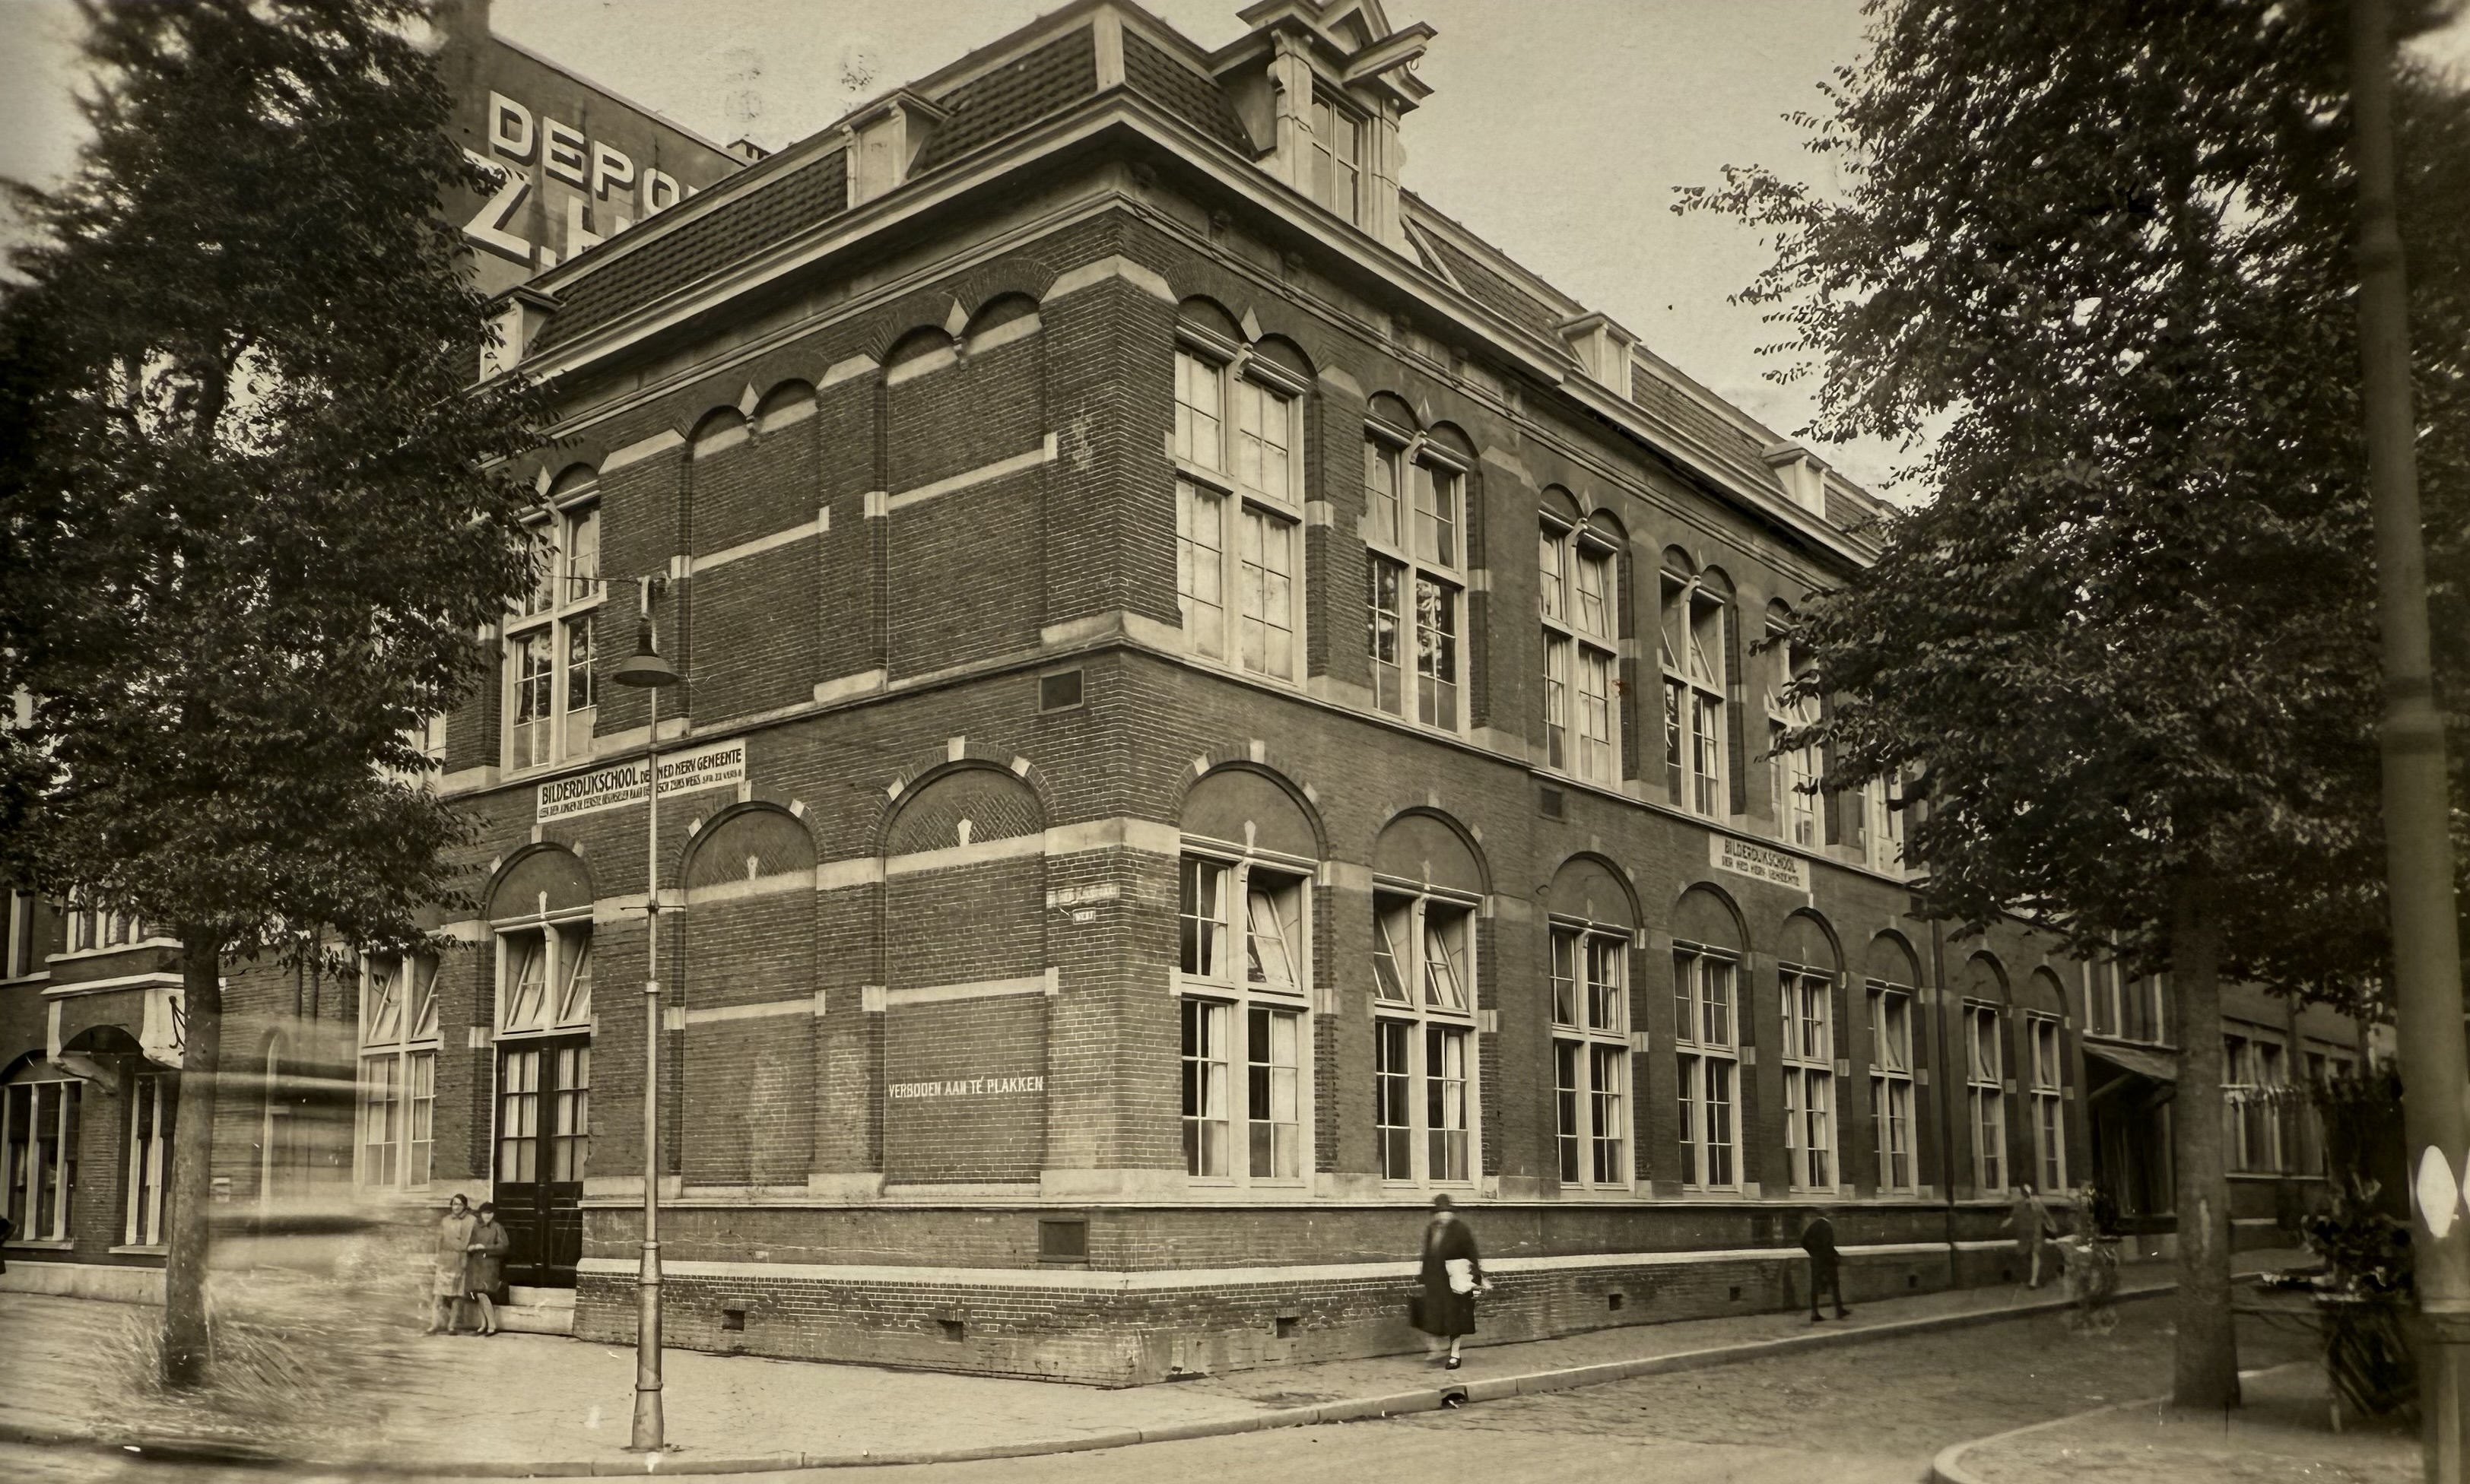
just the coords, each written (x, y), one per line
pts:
(1759, 863)
(713, 765)
(969, 1087)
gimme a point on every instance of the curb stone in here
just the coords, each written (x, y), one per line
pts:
(1946, 1468)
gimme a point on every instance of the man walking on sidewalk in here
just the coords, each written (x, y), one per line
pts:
(1818, 1240)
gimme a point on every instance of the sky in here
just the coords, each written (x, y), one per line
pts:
(1557, 129)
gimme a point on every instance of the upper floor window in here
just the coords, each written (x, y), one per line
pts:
(92, 930)
(1695, 645)
(399, 1046)
(1706, 1042)
(1239, 508)
(1580, 599)
(1244, 975)
(1591, 1054)
(21, 953)
(551, 689)
(1796, 768)
(1338, 158)
(1884, 839)
(1416, 576)
(1423, 1037)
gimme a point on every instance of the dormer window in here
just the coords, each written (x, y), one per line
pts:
(1338, 158)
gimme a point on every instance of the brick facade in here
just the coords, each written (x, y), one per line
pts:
(921, 969)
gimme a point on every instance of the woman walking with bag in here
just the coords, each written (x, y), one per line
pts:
(1452, 1275)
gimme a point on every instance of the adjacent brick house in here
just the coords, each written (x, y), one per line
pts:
(1216, 706)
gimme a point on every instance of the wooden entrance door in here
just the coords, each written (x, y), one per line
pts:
(544, 1141)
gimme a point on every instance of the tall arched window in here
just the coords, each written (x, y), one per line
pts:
(1239, 497)
(1984, 1074)
(1892, 981)
(1591, 927)
(1696, 647)
(399, 1046)
(1806, 979)
(1427, 887)
(551, 689)
(1580, 601)
(1417, 572)
(2046, 1079)
(1244, 978)
(1706, 1040)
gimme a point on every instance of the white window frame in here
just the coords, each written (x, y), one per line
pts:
(1707, 1052)
(1882, 843)
(1810, 1102)
(1420, 546)
(1581, 652)
(55, 1179)
(149, 1166)
(558, 612)
(1337, 177)
(400, 1039)
(1892, 1008)
(2045, 1098)
(1593, 1117)
(1697, 683)
(1796, 770)
(1231, 496)
(1237, 991)
(1436, 963)
(1985, 1096)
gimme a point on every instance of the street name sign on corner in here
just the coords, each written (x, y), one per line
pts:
(713, 765)
(1748, 858)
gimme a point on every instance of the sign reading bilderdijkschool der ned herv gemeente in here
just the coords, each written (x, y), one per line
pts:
(713, 765)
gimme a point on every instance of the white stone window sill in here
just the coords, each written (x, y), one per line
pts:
(142, 1250)
(41, 1244)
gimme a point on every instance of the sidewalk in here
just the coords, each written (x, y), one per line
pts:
(520, 1405)
(2283, 1433)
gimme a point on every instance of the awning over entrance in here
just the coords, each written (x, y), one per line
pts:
(2158, 1066)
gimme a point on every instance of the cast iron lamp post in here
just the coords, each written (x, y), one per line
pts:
(648, 671)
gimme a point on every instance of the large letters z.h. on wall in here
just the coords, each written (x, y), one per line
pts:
(528, 151)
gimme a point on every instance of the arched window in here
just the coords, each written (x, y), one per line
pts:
(1892, 990)
(1416, 576)
(1427, 886)
(1245, 977)
(40, 1133)
(552, 691)
(1806, 979)
(1695, 646)
(1984, 1072)
(1238, 497)
(1591, 927)
(1707, 1039)
(2046, 1079)
(1580, 588)
(399, 1045)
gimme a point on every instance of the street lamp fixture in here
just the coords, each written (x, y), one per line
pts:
(645, 669)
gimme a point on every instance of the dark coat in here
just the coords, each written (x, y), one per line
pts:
(1818, 1240)
(1444, 1313)
(488, 1266)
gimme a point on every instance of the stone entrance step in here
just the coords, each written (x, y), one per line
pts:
(538, 1311)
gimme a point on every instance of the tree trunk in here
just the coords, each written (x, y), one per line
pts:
(186, 1347)
(2205, 1370)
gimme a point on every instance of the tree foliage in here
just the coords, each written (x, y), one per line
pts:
(2126, 653)
(2102, 251)
(247, 543)
(249, 532)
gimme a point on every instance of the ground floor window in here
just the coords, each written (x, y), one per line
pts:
(1706, 1032)
(2049, 1119)
(1270, 1096)
(40, 1133)
(1891, 1084)
(1423, 1037)
(1985, 1097)
(149, 1158)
